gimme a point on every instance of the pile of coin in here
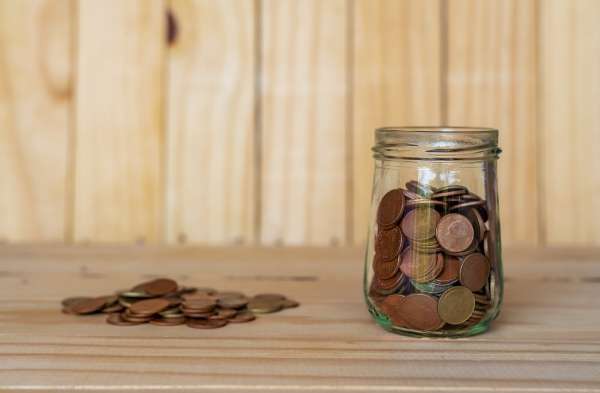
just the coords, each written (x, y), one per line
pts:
(431, 264)
(163, 302)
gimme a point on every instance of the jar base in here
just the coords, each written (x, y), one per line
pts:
(479, 328)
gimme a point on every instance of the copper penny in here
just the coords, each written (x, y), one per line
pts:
(167, 322)
(231, 302)
(270, 296)
(113, 309)
(225, 313)
(412, 260)
(174, 300)
(88, 306)
(480, 224)
(131, 318)
(451, 270)
(159, 287)
(200, 291)
(68, 302)
(419, 266)
(206, 323)
(455, 232)
(197, 315)
(388, 243)
(390, 307)
(474, 271)
(385, 269)
(242, 317)
(150, 306)
(390, 208)
(115, 319)
(204, 304)
(420, 312)
(389, 286)
(420, 223)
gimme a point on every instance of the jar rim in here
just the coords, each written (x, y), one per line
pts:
(436, 129)
(436, 143)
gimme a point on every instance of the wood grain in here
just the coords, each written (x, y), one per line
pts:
(303, 112)
(492, 82)
(119, 127)
(36, 42)
(545, 340)
(210, 131)
(396, 81)
(570, 91)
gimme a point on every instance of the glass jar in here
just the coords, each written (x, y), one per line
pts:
(433, 261)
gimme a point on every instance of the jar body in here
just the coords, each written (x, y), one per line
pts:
(433, 261)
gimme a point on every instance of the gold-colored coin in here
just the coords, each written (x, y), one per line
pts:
(456, 305)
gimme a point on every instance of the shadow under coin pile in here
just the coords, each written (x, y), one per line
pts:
(163, 302)
(431, 264)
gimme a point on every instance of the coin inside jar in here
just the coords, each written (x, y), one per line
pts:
(451, 270)
(420, 223)
(391, 307)
(474, 271)
(420, 312)
(456, 305)
(390, 208)
(388, 243)
(454, 232)
(385, 269)
(417, 265)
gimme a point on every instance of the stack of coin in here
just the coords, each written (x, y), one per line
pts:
(162, 302)
(431, 263)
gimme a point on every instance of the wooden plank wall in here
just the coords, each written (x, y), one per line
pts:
(36, 107)
(254, 125)
(118, 141)
(211, 151)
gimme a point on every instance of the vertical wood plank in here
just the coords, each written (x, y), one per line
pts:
(492, 82)
(397, 70)
(35, 106)
(118, 178)
(304, 121)
(570, 120)
(210, 195)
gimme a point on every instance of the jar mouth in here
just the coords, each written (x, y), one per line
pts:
(436, 143)
(437, 129)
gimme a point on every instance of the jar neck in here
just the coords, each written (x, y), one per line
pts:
(436, 143)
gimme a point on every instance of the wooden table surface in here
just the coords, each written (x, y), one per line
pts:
(547, 338)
